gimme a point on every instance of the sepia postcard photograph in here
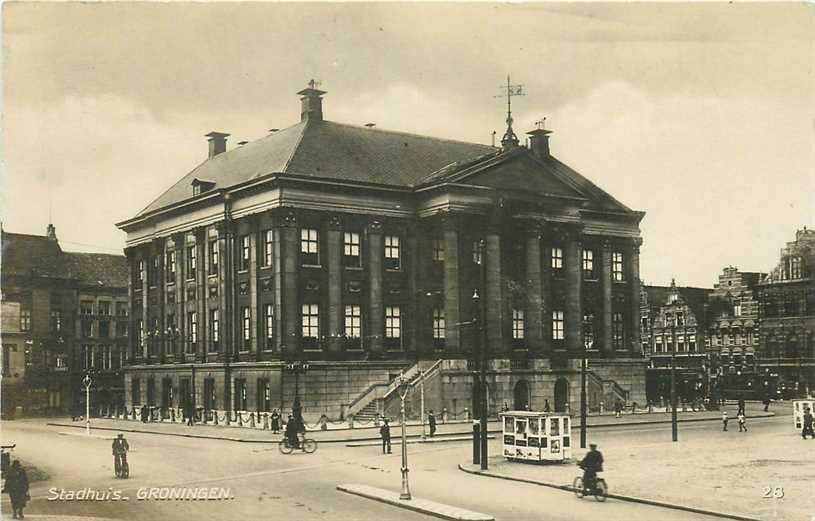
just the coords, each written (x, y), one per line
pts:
(368, 261)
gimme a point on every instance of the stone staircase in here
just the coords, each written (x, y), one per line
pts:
(368, 413)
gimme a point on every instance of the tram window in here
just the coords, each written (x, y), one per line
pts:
(544, 442)
(520, 427)
(533, 427)
(566, 441)
(508, 424)
(565, 424)
(554, 427)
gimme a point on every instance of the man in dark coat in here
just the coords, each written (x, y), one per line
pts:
(431, 419)
(385, 432)
(292, 429)
(275, 421)
(120, 448)
(807, 424)
(741, 407)
(592, 463)
(144, 414)
(17, 488)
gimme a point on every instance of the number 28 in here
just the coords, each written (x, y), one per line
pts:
(773, 492)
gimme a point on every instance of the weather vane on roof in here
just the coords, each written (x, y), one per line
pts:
(541, 124)
(314, 84)
(510, 90)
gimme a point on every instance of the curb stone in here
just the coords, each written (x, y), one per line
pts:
(621, 497)
(417, 505)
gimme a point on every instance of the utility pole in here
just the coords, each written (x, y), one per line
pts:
(481, 335)
(405, 493)
(87, 383)
(674, 427)
(583, 404)
(421, 394)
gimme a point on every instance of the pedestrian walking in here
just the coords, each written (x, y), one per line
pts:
(385, 432)
(190, 412)
(546, 406)
(275, 421)
(144, 413)
(444, 414)
(724, 421)
(766, 404)
(741, 407)
(807, 424)
(742, 422)
(618, 408)
(431, 420)
(17, 489)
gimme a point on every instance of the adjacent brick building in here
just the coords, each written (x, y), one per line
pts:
(356, 252)
(48, 343)
(787, 314)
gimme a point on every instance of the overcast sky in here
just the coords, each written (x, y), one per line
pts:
(701, 115)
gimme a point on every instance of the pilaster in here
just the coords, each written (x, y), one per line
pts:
(290, 252)
(450, 227)
(335, 272)
(634, 296)
(574, 278)
(534, 294)
(376, 311)
(494, 287)
(606, 283)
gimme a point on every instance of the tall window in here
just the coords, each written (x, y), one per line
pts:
(392, 257)
(617, 330)
(246, 327)
(617, 266)
(268, 325)
(56, 321)
(240, 394)
(192, 262)
(192, 327)
(25, 320)
(557, 325)
(155, 270)
(170, 266)
(104, 328)
(140, 272)
(309, 247)
(438, 325)
(268, 248)
(588, 329)
(87, 328)
(213, 257)
(795, 267)
(478, 252)
(517, 324)
(7, 359)
(736, 307)
(264, 395)
(214, 329)
(351, 250)
(135, 391)
(310, 324)
(86, 307)
(243, 263)
(121, 309)
(437, 248)
(353, 327)
(557, 258)
(393, 326)
(588, 264)
(104, 308)
(680, 318)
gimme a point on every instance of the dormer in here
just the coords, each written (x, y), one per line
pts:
(199, 186)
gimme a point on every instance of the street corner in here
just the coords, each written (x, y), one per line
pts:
(423, 506)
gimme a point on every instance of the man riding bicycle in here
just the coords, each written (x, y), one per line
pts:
(120, 448)
(292, 431)
(591, 464)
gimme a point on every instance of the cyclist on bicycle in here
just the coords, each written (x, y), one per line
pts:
(592, 463)
(120, 448)
(292, 430)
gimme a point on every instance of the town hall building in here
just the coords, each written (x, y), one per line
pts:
(323, 260)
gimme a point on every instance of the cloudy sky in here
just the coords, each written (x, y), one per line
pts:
(702, 115)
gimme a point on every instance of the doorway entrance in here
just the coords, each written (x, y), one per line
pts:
(561, 394)
(521, 396)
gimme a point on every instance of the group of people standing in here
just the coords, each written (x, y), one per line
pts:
(740, 416)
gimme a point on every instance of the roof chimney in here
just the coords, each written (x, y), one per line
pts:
(311, 102)
(217, 143)
(539, 142)
(51, 231)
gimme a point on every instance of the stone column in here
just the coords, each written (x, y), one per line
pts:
(534, 289)
(335, 270)
(376, 311)
(574, 275)
(634, 297)
(256, 320)
(132, 348)
(451, 284)
(290, 251)
(606, 283)
(201, 293)
(180, 295)
(494, 289)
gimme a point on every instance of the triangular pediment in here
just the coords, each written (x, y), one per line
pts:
(523, 173)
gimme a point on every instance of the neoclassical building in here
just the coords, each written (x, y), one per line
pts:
(786, 298)
(325, 259)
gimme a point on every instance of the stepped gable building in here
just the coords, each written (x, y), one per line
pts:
(324, 259)
(787, 315)
(54, 328)
(674, 320)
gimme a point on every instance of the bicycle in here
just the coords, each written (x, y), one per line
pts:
(121, 466)
(599, 490)
(307, 445)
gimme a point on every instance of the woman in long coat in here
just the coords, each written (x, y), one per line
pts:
(17, 488)
(275, 421)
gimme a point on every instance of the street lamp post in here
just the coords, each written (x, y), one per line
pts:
(421, 394)
(405, 493)
(480, 351)
(87, 383)
(674, 426)
(587, 342)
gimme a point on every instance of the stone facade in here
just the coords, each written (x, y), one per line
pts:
(368, 253)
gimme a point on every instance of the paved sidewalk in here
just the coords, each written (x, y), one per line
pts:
(414, 431)
(417, 505)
